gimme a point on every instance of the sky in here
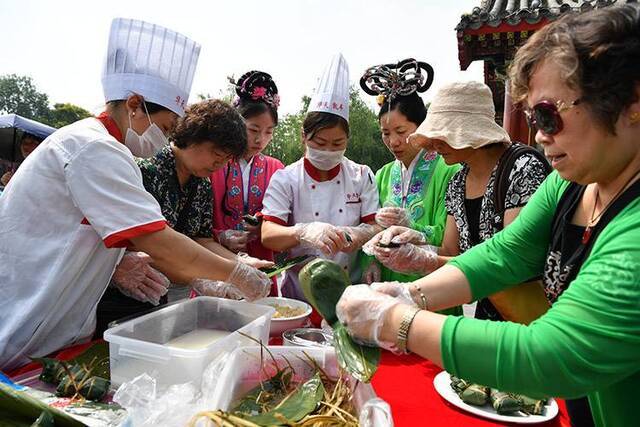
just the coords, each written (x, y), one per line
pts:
(61, 44)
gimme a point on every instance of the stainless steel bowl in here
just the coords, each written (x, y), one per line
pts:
(308, 337)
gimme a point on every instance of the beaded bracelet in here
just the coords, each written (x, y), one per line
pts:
(423, 299)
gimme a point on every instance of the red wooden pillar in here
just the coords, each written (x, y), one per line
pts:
(514, 120)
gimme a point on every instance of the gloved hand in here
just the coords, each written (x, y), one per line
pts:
(320, 235)
(400, 235)
(215, 288)
(357, 236)
(408, 258)
(250, 282)
(363, 312)
(234, 240)
(398, 290)
(253, 262)
(391, 215)
(253, 230)
(135, 278)
(373, 273)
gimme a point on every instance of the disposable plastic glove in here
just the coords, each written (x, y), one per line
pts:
(357, 236)
(388, 216)
(215, 288)
(373, 273)
(320, 235)
(250, 282)
(363, 312)
(252, 261)
(398, 235)
(135, 278)
(234, 240)
(408, 258)
(395, 289)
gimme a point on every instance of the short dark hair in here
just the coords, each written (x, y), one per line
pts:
(212, 121)
(318, 120)
(598, 53)
(26, 135)
(411, 106)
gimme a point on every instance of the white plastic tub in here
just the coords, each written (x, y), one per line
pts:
(138, 346)
(243, 372)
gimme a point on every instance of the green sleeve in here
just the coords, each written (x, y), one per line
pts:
(589, 341)
(436, 216)
(517, 253)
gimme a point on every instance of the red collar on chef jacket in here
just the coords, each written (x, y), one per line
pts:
(314, 172)
(111, 126)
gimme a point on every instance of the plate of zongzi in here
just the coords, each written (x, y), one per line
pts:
(493, 404)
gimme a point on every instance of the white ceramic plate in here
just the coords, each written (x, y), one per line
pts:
(442, 384)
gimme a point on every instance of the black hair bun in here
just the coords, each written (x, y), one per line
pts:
(257, 86)
(388, 81)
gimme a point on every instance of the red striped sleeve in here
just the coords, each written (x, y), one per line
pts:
(274, 219)
(121, 238)
(368, 218)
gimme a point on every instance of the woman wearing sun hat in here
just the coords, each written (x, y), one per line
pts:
(579, 80)
(461, 128)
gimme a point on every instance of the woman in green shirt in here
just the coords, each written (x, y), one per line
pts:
(412, 187)
(579, 78)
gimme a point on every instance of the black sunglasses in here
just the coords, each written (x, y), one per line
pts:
(545, 115)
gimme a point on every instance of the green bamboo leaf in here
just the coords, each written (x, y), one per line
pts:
(359, 360)
(285, 265)
(300, 404)
(323, 283)
(22, 406)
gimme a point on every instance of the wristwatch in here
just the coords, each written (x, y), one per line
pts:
(403, 331)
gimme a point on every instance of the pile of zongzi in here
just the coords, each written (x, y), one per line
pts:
(73, 379)
(502, 402)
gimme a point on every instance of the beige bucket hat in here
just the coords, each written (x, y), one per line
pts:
(461, 114)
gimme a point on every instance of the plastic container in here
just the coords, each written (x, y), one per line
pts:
(243, 372)
(139, 345)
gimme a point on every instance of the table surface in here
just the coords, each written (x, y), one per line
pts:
(405, 382)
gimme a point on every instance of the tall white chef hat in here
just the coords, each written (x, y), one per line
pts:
(151, 61)
(332, 94)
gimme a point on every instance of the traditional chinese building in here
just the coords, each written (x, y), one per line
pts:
(493, 31)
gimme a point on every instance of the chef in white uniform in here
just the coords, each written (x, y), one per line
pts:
(324, 204)
(78, 201)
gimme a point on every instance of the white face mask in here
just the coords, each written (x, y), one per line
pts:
(324, 160)
(147, 144)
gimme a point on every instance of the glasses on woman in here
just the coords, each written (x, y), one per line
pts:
(545, 115)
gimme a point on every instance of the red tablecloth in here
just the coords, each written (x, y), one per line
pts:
(405, 382)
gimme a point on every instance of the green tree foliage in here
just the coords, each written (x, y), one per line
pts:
(18, 94)
(65, 114)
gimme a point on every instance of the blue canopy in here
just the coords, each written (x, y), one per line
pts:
(12, 127)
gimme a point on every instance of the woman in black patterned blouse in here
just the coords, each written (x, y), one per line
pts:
(460, 126)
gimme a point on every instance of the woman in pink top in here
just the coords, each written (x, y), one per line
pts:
(239, 187)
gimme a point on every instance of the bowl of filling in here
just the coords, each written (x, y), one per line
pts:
(290, 314)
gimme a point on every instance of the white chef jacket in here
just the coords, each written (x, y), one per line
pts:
(294, 196)
(64, 219)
